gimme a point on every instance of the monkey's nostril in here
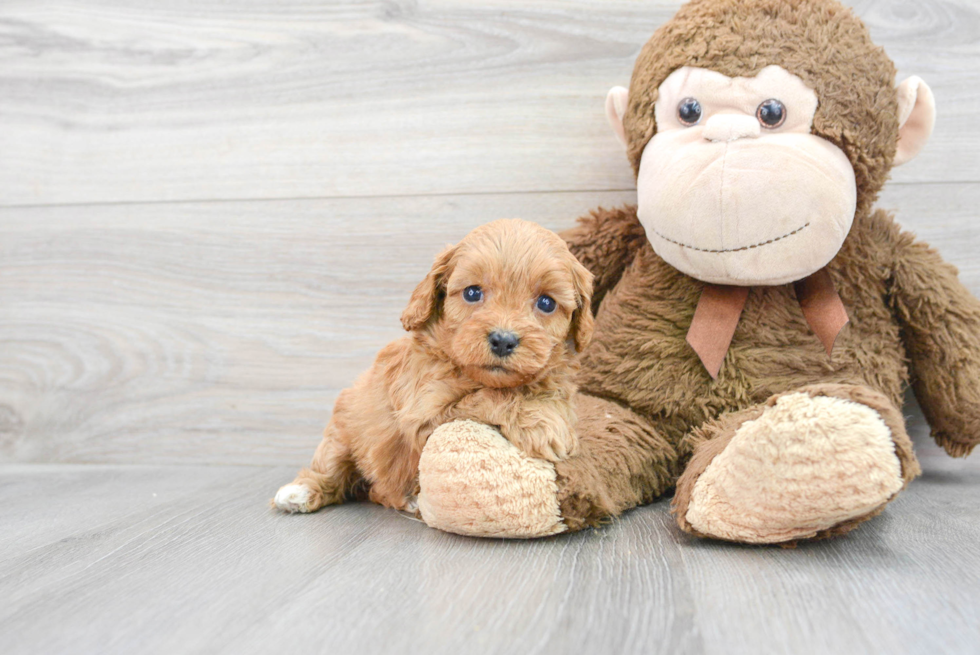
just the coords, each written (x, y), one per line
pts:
(502, 344)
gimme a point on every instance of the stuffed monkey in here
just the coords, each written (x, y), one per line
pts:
(756, 318)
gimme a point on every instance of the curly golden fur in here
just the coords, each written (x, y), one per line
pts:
(446, 369)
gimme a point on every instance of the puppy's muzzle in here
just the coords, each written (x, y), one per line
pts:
(502, 343)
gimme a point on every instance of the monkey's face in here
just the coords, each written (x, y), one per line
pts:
(734, 188)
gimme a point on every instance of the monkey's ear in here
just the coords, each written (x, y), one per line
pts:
(916, 118)
(425, 299)
(616, 109)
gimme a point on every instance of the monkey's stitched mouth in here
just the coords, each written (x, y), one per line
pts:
(754, 245)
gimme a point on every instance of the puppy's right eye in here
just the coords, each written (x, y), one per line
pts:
(547, 304)
(473, 294)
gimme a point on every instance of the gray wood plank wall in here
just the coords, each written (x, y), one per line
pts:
(211, 213)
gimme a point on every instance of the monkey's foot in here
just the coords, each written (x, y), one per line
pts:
(474, 482)
(808, 464)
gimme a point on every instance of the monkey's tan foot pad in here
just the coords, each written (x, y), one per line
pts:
(474, 482)
(804, 466)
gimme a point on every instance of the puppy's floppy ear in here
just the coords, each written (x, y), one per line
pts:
(425, 299)
(582, 322)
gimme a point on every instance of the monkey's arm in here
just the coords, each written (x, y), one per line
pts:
(605, 241)
(940, 322)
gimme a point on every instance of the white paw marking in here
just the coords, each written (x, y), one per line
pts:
(412, 504)
(293, 498)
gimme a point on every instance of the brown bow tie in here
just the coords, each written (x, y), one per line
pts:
(720, 307)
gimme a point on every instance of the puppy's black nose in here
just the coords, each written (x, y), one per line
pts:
(502, 343)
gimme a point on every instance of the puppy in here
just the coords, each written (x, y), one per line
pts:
(494, 326)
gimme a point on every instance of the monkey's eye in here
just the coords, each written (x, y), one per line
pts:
(546, 304)
(771, 113)
(689, 111)
(473, 294)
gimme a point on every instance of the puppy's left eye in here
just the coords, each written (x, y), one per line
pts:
(547, 304)
(473, 294)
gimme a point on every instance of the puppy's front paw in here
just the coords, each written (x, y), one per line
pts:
(548, 441)
(294, 498)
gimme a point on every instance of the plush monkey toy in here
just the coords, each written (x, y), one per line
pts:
(756, 318)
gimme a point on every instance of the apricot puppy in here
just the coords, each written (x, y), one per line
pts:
(494, 326)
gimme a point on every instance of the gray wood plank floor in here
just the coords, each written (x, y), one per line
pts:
(211, 214)
(123, 559)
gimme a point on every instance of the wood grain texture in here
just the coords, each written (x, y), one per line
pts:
(211, 332)
(111, 100)
(222, 332)
(211, 214)
(191, 560)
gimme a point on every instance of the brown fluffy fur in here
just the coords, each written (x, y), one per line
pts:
(912, 321)
(647, 404)
(445, 370)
